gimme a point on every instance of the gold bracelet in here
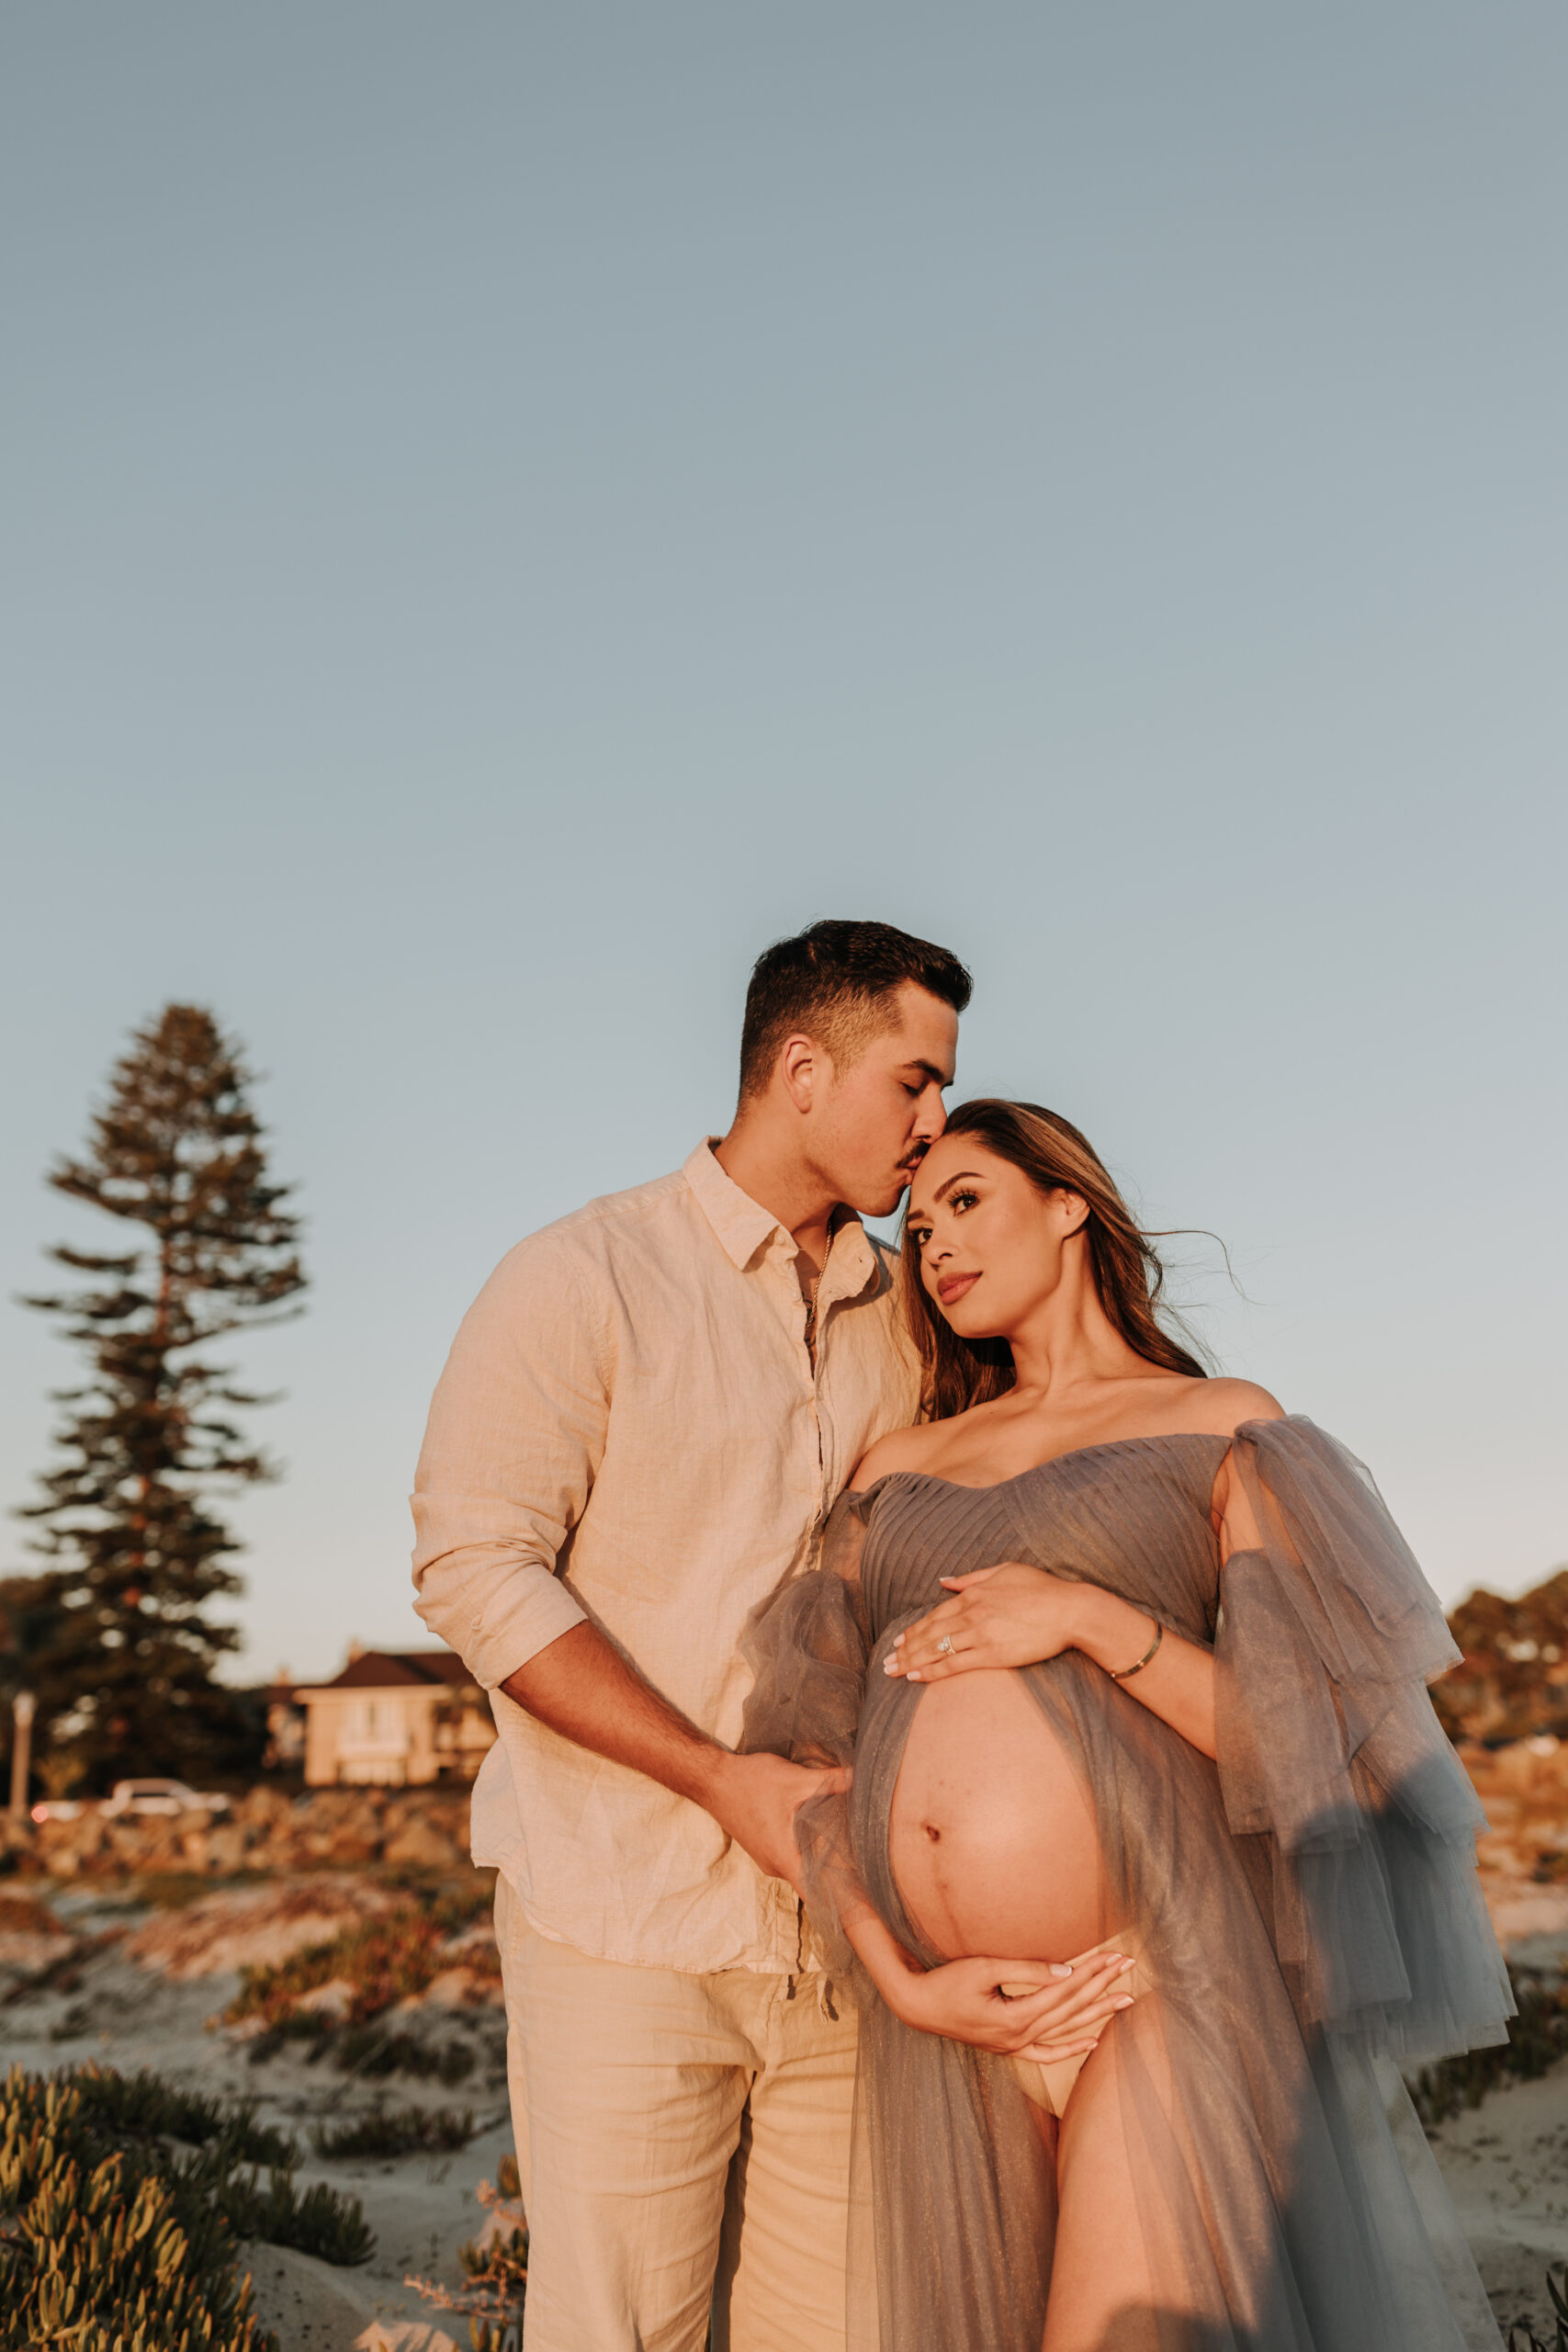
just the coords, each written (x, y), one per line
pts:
(1127, 1671)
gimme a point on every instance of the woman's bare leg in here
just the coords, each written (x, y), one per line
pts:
(1118, 2257)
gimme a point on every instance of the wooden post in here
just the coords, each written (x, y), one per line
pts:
(22, 1707)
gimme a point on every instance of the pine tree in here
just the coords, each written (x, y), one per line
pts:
(124, 1669)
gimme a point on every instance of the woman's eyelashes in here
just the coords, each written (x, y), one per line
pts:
(920, 1234)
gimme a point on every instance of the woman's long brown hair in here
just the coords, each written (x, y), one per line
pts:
(1128, 1274)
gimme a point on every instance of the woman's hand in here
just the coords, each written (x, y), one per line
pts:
(1008, 1615)
(1062, 2018)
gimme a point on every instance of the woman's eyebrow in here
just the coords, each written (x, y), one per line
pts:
(964, 1176)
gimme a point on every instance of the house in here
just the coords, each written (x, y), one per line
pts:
(395, 1718)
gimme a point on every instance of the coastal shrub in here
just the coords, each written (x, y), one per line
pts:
(299, 2025)
(61, 1974)
(380, 1961)
(371, 1967)
(108, 2242)
(147, 2106)
(1538, 2038)
(396, 2132)
(1522, 2338)
(368, 2051)
(371, 2052)
(122, 2202)
(455, 1908)
(24, 1915)
(495, 2276)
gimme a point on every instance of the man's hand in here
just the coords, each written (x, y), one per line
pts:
(585, 1691)
(754, 1799)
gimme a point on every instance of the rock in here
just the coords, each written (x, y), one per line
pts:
(421, 1846)
(263, 1806)
(226, 1848)
(424, 1829)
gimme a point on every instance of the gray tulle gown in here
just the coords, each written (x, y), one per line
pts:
(1306, 1909)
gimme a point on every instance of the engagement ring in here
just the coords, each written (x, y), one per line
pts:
(945, 1644)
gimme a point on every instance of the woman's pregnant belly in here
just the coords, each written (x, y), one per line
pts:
(991, 1837)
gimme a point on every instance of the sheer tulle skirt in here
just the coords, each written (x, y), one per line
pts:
(1266, 2182)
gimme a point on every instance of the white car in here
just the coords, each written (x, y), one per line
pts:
(159, 1796)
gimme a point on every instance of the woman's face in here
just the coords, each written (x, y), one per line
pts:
(991, 1246)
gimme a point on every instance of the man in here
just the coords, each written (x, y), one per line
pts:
(644, 1422)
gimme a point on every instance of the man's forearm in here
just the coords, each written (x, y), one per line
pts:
(582, 1688)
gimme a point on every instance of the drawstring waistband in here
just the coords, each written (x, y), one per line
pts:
(824, 1983)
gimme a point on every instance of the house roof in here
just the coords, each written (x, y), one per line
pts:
(397, 1669)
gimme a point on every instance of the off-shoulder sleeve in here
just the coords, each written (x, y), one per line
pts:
(808, 1646)
(1327, 1744)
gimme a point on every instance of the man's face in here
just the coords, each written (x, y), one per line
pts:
(873, 1126)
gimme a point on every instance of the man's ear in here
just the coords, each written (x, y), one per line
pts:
(802, 1066)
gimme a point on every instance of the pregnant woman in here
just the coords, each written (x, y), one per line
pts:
(1131, 1669)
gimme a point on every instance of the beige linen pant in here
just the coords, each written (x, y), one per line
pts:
(682, 2141)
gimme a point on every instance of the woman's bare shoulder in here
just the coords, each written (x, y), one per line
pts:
(1224, 1405)
(910, 1449)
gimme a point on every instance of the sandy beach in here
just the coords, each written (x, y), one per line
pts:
(139, 1974)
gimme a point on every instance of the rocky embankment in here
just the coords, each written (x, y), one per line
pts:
(265, 1832)
(1523, 1852)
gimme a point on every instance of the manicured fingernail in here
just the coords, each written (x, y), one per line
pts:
(1126, 1965)
(913, 1675)
(1126, 2002)
(1060, 1968)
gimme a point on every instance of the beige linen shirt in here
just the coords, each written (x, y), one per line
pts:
(630, 1430)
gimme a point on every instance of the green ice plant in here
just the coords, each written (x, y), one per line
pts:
(121, 2205)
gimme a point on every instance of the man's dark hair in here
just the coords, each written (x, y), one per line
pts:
(836, 981)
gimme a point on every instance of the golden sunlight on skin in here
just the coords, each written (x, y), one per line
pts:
(1117, 2251)
(1000, 1260)
(816, 1136)
(976, 1875)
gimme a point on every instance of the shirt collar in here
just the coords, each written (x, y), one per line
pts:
(741, 1223)
(744, 1227)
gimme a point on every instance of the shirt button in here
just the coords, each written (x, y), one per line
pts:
(473, 1624)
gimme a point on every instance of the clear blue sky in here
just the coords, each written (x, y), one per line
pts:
(509, 509)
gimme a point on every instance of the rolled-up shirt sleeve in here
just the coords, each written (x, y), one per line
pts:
(514, 1439)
